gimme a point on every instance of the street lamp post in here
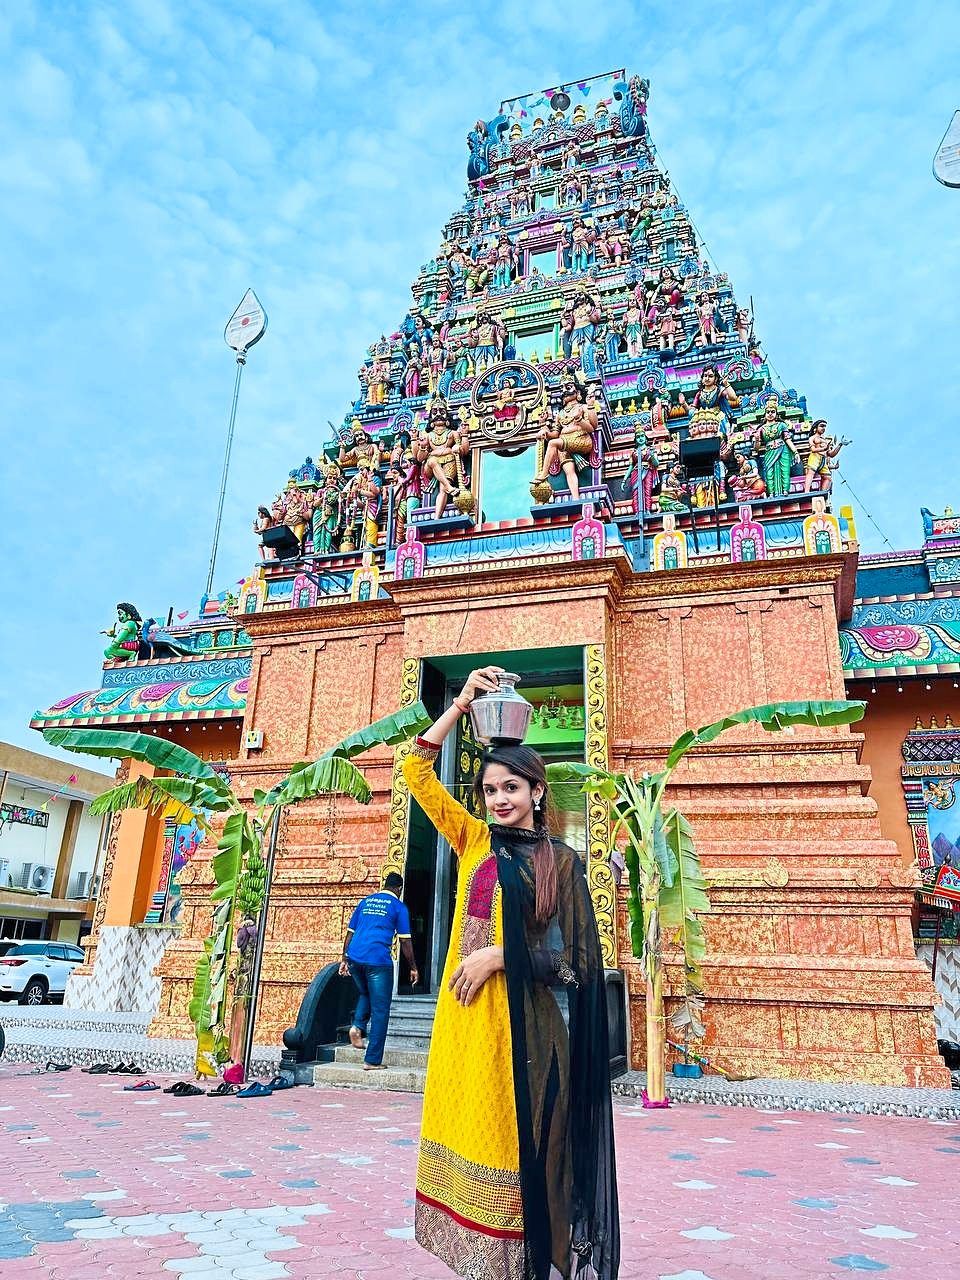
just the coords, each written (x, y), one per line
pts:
(245, 327)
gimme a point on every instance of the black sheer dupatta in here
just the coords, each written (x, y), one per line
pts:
(561, 1081)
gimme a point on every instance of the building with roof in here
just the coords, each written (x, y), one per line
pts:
(570, 457)
(51, 846)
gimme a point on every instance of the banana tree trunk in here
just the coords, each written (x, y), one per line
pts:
(656, 1036)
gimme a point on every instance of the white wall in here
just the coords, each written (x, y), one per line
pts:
(40, 846)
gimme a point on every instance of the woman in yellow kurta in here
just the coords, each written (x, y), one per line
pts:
(516, 1172)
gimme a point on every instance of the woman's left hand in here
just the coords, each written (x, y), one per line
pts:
(473, 971)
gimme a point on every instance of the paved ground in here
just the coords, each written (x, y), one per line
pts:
(95, 1183)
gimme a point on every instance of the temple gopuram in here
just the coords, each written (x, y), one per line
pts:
(571, 458)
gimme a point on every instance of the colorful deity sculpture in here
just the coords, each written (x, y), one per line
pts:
(610, 243)
(411, 374)
(713, 403)
(405, 478)
(668, 290)
(486, 339)
(774, 443)
(608, 338)
(578, 326)
(674, 491)
(355, 498)
(581, 243)
(124, 635)
(327, 511)
(823, 448)
(359, 450)
(746, 483)
(447, 447)
(378, 382)
(570, 441)
(506, 259)
(644, 476)
(668, 328)
(706, 320)
(633, 325)
(298, 510)
(639, 221)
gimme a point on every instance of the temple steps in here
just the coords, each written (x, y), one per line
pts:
(405, 1071)
(405, 1055)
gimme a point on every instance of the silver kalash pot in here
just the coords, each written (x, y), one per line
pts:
(503, 716)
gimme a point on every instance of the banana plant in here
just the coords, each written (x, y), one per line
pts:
(195, 790)
(667, 889)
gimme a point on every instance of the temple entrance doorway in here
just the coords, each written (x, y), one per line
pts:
(553, 681)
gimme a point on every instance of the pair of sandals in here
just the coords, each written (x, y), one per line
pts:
(183, 1089)
(255, 1089)
(118, 1069)
(57, 1066)
(142, 1086)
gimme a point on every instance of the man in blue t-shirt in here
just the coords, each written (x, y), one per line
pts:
(368, 959)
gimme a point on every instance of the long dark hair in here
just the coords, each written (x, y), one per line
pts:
(528, 764)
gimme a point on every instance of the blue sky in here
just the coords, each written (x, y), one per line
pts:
(159, 157)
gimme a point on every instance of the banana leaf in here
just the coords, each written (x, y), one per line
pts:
(306, 780)
(178, 798)
(772, 717)
(141, 746)
(330, 775)
(587, 777)
(226, 861)
(681, 902)
(199, 1006)
(143, 793)
(197, 796)
(389, 731)
(663, 855)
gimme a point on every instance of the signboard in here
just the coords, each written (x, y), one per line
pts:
(946, 163)
(247, 325)
(28, 817)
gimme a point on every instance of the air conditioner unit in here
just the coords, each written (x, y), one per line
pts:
(42, 879)
(26, 872)
(79, 887)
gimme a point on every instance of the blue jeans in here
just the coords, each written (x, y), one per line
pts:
(375, 984)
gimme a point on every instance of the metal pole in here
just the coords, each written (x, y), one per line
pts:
(241, 361)
(258, 949)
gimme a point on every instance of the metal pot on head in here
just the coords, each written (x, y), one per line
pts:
(502, 716)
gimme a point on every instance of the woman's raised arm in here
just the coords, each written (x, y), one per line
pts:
(449, 817)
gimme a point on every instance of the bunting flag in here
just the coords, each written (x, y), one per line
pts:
(50, 799)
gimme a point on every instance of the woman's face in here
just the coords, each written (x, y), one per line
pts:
(508, 797)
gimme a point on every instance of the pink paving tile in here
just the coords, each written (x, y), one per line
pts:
(791, 1192)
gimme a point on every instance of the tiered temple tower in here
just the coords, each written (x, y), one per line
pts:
(571, 457)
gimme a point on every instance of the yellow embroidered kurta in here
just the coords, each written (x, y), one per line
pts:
(469, 1211)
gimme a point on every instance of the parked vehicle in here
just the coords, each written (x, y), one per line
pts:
(34, 972)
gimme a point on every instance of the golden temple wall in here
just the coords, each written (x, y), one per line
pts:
(811, 969)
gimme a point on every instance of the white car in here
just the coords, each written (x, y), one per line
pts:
(32, 972)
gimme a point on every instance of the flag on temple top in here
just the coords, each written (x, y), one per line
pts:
(181, 616)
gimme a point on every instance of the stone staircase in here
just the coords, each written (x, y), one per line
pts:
(405, 1057)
